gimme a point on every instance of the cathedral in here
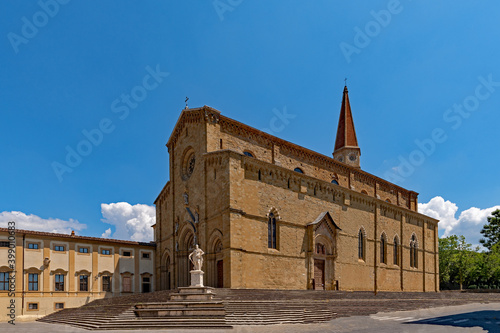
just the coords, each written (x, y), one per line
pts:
(270, 214)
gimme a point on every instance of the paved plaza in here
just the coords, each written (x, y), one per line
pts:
(476, 317)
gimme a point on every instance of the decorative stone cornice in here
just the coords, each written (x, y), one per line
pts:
(281, 173)
(191, 116)
(246, 132)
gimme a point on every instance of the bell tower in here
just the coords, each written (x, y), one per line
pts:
(346, 144)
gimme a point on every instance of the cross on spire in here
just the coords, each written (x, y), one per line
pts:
(187, 99)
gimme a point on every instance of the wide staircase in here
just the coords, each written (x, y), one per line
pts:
(230, 307)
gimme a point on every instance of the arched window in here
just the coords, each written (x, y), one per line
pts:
(396, 250)
(387, 200)
(383, 249)
(364, 192)
(299, 170)
(320, 248)
(361, 245)
(271, 231)
(247, 153)
(334, 181)
(413, 252)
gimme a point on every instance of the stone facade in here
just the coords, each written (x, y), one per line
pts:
(233, 190)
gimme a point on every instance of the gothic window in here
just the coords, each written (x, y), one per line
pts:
(396, 251)
(299, 170)
(320, 248)
(383, 250)
(334, 181)
(361, 245)
(188, 164)
(247, 153)
(271, 231)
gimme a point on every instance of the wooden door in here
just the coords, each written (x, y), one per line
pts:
(127, 284)
(220, 274)
(319, 274)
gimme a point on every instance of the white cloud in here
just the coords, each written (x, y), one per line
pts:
(132, 222)
(469, 223)
(36, 223)
(107, 233)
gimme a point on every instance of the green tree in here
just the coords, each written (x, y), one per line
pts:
(494, 264)
(463, 259)
(491, 230)
(446, 269)
(456, 260)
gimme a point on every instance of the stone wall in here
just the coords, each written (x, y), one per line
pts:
(232, 195)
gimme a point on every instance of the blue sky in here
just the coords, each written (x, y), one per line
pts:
(418, 71)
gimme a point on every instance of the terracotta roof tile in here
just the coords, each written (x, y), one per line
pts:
(105, 240)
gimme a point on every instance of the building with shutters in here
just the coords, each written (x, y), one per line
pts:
(52, 271)
(271, 214)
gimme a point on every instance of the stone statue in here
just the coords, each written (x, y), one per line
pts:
(196, 258)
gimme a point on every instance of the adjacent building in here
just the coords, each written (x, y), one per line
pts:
(54, 271)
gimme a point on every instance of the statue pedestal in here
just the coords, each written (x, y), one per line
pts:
(196, 278)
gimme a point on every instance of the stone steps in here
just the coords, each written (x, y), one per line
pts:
(167, 322)
(244, 307)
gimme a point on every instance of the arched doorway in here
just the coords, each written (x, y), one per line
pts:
(186, 246)
(166, 278)
(323, 252)
(319, 266)
(219, 272)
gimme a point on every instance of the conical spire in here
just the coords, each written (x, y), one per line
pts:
(346, 134)
(346, 144)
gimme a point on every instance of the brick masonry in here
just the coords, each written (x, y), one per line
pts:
(230, 196)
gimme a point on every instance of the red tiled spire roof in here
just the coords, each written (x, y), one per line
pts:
(346, 134)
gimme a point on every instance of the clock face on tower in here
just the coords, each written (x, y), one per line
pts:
(341, 158)
(352, 157)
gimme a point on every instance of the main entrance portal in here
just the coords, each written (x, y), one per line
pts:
(319, 274)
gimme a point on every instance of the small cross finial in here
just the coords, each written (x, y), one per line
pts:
(187, 99)
(345, 81)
